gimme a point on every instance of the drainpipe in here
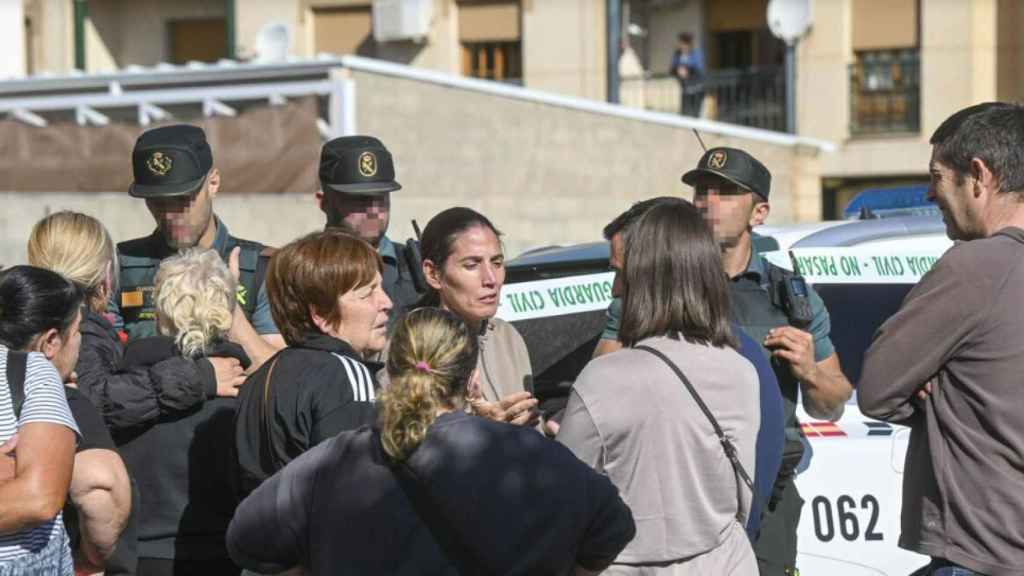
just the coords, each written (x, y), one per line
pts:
(791, 87)
(81, 9)
(229, 24)
(613, 14)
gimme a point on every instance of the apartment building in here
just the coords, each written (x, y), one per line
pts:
(875, 77)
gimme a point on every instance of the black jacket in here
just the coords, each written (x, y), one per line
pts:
(183, 464)
(315, 390)
(476, 497)
(133, 396)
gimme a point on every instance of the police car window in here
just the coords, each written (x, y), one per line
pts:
(856, 312)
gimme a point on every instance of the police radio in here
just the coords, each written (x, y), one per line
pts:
(796, 297)
(414, 260)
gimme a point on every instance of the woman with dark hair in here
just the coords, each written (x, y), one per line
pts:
(464, 265)
(327, 300)
(633, 417)
(394, 498)
(39, 341)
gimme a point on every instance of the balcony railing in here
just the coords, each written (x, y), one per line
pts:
(755, 97)
(885, 92)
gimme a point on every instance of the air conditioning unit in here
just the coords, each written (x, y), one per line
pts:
(401, 19)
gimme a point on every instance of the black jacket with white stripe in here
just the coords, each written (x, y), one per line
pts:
(302, 396)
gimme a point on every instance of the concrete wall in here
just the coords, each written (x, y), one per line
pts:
(121, 33)
(252, 15)
(12, 38)
(53, 47)
(564, 47)
(544, 174)
(562, 41)
(273, 219)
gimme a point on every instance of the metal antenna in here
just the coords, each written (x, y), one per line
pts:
(796, 265)
(699, 139)
(416, 229)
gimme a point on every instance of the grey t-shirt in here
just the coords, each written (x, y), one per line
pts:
(630, 417)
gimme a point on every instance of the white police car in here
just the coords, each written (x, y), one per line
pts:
(851, 478)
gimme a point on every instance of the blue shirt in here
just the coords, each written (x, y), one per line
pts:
(771, 436)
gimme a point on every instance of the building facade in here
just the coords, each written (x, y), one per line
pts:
(875, 77)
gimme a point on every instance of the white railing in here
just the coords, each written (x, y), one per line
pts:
(215, 86)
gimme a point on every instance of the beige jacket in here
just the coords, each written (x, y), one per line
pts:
(504, 362)
(630, 417)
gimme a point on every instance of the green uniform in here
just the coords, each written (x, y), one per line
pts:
(133, 307)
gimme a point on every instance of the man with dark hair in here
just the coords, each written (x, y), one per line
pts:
(731, 190)
(175, 174)
(949, 362)
(688, 68)
(357, 177)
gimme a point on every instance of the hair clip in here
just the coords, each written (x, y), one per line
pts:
(423, 367)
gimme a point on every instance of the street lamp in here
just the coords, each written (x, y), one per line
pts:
(789, 20)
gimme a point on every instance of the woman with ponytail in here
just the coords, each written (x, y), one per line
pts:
(183, 463)
(430, 489)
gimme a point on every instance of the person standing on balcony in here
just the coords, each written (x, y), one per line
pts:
(688, 69)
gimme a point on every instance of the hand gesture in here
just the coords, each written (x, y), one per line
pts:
(795, 347)
(229, 376)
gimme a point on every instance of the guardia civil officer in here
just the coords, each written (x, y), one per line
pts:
(731, 190)
(175, 174)
(357, 177)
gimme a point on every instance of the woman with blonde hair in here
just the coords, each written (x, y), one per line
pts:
(184, 464)
(78, 247)
(431, 489)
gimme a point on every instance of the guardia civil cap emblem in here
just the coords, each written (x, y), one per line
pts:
(159, 164)
(368, 164)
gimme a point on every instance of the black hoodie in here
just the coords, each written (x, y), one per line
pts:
(183, 465)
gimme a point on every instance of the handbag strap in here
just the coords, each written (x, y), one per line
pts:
(730, 449)
(266, 419)
(17, 364)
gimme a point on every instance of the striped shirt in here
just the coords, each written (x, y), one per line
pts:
(44, 402)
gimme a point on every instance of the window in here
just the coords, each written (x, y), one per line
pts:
(491, 35)
(500, 61)
(735, 49)
(885, 91)
(203, 40)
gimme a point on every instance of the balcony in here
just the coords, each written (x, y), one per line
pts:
(885, 92)
(755, 97)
